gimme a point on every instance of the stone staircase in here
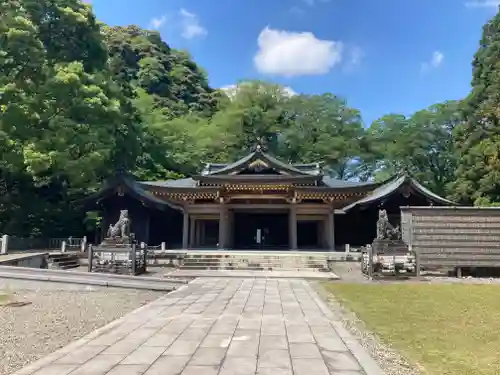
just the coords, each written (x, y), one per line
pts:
(256, 261)
(63, 261)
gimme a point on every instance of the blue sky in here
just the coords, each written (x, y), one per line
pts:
(382, 56)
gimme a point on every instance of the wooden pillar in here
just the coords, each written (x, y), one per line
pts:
(223, 226)
(192, 222)
(292, 227)
(330, 231)
(197, 233)
(185, 230)
(147, 220)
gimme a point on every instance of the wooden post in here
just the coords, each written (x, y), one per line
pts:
(192, 223)
(370, 262)
(222, 226)
(292, 227)
(90, 257)
(83, 245)
(185, 230)
(134, 259)
(331, 231)
(4, 244)
(417, 261)
(145, 259)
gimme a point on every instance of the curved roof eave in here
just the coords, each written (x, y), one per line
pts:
(131, 187)
(392, 185)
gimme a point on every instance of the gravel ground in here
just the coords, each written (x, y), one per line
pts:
(57, 315)
(388, 359)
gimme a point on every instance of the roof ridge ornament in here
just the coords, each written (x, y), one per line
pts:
(260, 145)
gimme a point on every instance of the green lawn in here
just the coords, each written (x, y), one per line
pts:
(442, 328)
(4, 298)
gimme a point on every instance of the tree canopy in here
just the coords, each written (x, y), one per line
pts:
(81, 101)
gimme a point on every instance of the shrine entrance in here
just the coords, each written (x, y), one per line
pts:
(259, 231)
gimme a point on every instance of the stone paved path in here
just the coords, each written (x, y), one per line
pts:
(218, 326)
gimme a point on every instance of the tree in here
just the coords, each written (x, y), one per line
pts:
(421, 143)
(477, 139)
(323, 128)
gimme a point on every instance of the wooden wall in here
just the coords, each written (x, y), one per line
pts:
(453, 236)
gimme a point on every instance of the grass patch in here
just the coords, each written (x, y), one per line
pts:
(443, 328)
(4, 298)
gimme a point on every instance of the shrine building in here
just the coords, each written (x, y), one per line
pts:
(258, 202)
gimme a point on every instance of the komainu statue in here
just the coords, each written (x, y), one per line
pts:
(385, 230)
(122, 226)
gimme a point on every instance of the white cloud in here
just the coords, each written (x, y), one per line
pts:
(156, 23)
(482, 4)
(436, 61)
(356, 55)
(289, 53)
(191, 26)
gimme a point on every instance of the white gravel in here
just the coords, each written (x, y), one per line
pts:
(57, 315)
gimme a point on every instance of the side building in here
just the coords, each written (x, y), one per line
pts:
(258, 202)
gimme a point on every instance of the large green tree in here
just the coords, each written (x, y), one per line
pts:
(324, 128)
(478, 138)
(421, 143)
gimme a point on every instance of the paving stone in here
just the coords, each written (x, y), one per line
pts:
(128, 370)
(56, 370)
(81, 355)
(239, 366)
(304, 350)
(277, 358)
(167, 365)
(243, 348)
(309, 367)
(272, 342)
(182, 347)
(298, 335)
(216, 340)
(199, 370)
(124, 347)
(144, 355)
(330, 343)
(161, 339)
(208, 357)
(273, 371)
(99, 365)
(220, 326)
(194, 334)
(340, 361)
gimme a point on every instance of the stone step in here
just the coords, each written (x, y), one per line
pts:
(284, 269)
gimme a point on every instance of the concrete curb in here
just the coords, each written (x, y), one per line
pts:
(235, 274)
(95, 275)
(37, 365)
(367, 363)
(166, 287)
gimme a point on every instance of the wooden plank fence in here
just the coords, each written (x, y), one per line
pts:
(453, 237)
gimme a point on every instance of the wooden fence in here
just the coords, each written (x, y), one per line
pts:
(453, 237)
(43, 244)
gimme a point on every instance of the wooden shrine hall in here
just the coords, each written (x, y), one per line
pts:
(258, 202)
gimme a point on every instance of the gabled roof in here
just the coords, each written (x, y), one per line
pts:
(393, 185)
(259, 156)
(129, 186)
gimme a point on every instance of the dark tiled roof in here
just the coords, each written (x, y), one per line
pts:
(392, 186)
(181, 183)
